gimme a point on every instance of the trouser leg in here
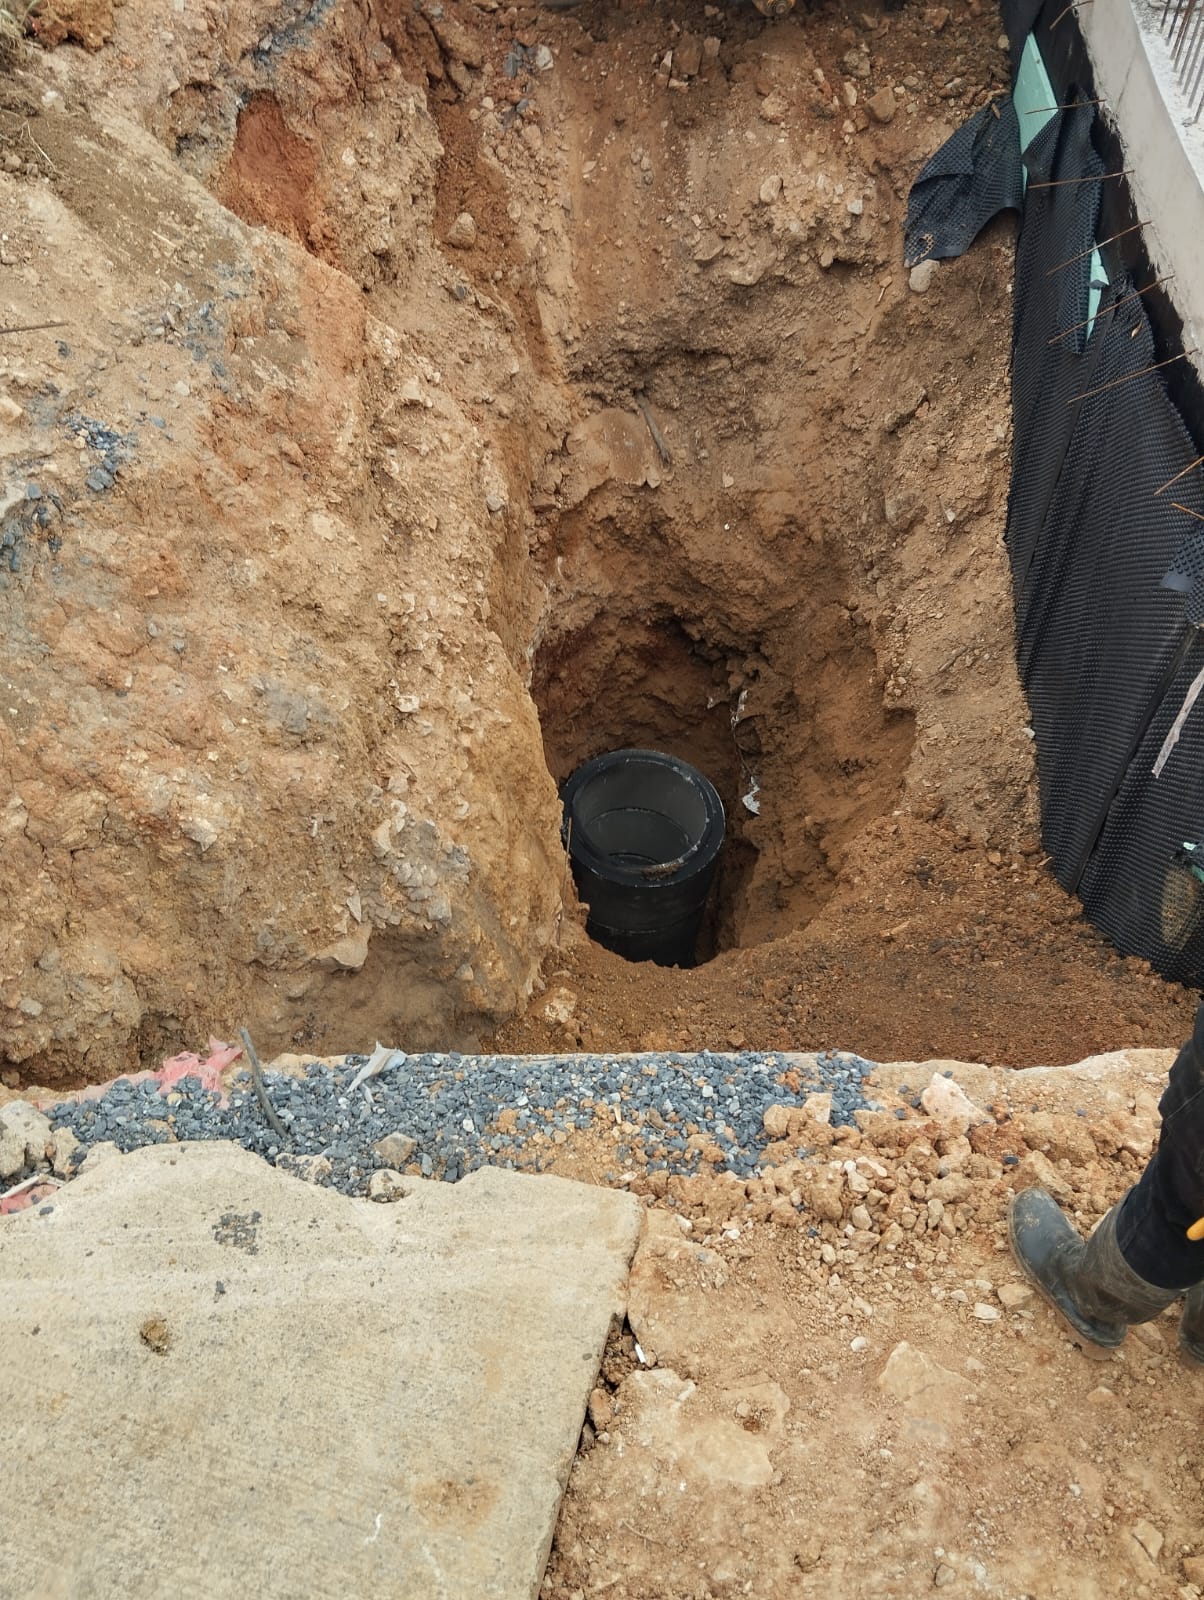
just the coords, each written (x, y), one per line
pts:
(1191, 1327)
(1140, 1259)
(1155, 1215)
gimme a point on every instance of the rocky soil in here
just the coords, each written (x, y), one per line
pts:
(445, 393)
(425, 373)
(250, 560)
(831, 1378)
(863, 1397)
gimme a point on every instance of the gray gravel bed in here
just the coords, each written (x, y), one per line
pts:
(450, 1105)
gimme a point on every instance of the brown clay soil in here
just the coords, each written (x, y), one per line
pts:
(864, 1398)
(825, 609)
(372, 300)
(816, 597)
(478, 410)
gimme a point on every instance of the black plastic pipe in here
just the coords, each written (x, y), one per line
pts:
(644, 832)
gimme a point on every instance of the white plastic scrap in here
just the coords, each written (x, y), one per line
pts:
(38, 1179)
(379, 1061)
(750, 801)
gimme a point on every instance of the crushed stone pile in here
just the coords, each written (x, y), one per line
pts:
(444, 1115)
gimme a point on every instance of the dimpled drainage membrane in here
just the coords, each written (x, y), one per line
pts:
(465, 1112)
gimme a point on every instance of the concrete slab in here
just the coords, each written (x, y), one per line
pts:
(220, 1381)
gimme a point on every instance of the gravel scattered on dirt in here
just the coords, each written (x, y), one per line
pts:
(862, 1397)
(463, 1112)
(856, 1305)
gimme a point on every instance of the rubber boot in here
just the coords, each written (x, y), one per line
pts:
(1087, 1281)
(1191, 1327)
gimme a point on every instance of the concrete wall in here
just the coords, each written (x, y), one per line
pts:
(1135, 75)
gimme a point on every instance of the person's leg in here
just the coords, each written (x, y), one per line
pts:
(1191, 1327)
(1139, 1259)
(1169, 1197)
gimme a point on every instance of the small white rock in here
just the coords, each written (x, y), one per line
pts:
(63, 1145)
(920, 277)
(1013, 1295)
(560, 1005)
(24, 1136)
(462, 234)
(986, 1313)
(944, 1099)
(386, 1185)
(818, 1107)
(859, 1344)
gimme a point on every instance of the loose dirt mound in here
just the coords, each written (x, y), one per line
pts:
(864, 1398)
(832, 1379)
(558, 366)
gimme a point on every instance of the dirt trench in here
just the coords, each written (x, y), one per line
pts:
(772, 541)
(537, 383)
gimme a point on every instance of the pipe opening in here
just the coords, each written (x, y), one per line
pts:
(644, 832)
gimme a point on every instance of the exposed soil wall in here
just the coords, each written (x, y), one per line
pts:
(253, 680)
(347, 476)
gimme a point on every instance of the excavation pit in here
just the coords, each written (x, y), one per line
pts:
(509, 405)
(390, 494)
(790, 727)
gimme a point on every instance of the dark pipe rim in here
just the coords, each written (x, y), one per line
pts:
(696, 859)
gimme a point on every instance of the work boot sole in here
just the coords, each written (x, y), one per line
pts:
(1090, 1347)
